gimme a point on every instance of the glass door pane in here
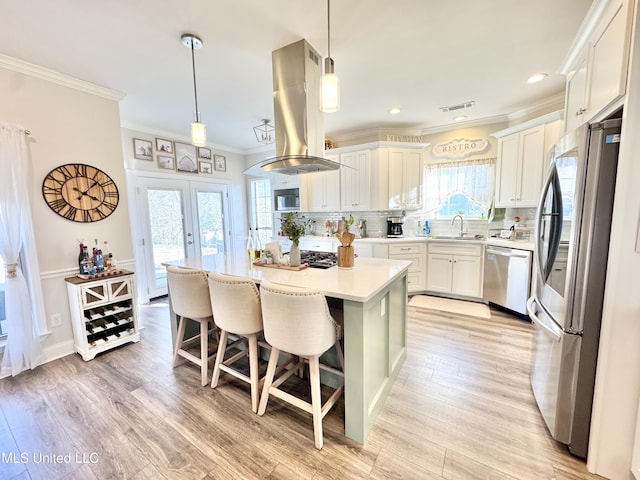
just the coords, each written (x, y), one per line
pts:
(179, 219)
(209, 207)
(164, 236)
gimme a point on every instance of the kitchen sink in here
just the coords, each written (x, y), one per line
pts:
(451, 237)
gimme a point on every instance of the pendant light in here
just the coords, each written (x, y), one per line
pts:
(330, 84)
(264, 132)
(198, 129)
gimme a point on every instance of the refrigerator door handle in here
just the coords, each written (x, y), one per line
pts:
(552, 329)
(551, 184)
(538, 226)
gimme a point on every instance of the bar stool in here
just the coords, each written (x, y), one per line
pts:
(235, 302)
(297, 321)
(189, 292)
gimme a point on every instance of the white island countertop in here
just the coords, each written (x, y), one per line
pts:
(374, 305)
(368, 277)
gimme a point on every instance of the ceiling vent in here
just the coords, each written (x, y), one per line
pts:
(460, 106)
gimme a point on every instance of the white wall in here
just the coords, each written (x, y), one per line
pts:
(67, 126)
(618, 379)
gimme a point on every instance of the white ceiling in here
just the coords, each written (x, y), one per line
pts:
(419, 55)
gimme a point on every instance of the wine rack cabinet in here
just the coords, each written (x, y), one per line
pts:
(103, 313)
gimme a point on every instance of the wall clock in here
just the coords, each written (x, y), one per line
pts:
(80, 193)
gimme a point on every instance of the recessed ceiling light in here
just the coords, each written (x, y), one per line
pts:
(394, 111)
(459, 118)
(537, 77)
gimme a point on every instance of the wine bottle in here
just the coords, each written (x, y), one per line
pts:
(86, 265)
(250, 246)
(98, 258)
(257, 245)
(108, 256)
(80, 257)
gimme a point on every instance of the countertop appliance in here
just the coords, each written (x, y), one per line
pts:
(507, 277)
(394, 227)
(286, 199)
(573, 226)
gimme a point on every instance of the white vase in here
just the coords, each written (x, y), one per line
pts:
(294, 255)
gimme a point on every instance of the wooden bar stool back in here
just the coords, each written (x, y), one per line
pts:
(235, 302)
(189, 291)
(297, 321)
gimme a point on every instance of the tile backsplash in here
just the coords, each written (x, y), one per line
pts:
(376, 222)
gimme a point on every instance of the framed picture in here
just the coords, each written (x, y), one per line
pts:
(166, 163)
(186, 160)
(142, 149)
(204, 152)
(206, 167)
(164, 146)
(220, 163)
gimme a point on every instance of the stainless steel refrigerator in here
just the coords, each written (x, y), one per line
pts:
(573, 224)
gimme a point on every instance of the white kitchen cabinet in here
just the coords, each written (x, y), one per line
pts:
(576, 96)
(520, 167)
(362, 249)
(416, 254)
(597, 77)
(281, 181)
(609, 57)
(320, 192)
(454, 268)
(328, 244)
(355, 181)
(521, 163)
(405, 178)
(103, 312)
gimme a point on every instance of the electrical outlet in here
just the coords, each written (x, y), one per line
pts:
(56, 320)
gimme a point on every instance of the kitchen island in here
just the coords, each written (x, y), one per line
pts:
(373, 295)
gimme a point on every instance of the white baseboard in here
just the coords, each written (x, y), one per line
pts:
(58, 350)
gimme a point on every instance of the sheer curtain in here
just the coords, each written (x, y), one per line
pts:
(474, 178)
(24, 304)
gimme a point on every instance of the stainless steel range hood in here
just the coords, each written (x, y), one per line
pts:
(299, 123)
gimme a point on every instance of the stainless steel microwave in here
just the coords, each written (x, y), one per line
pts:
(286, 199)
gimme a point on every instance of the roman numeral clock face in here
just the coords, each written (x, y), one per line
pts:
(80, 193)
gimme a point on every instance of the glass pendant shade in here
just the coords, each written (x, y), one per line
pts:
(330, 93)
(199, 134)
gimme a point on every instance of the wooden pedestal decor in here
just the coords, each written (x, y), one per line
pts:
(346, 256)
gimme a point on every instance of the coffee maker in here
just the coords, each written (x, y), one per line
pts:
(394, 227)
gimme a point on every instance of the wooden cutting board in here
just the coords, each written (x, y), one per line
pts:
(281, 266)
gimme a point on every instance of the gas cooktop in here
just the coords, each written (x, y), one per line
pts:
(318, 259)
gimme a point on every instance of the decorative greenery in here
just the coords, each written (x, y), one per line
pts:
(348, 223)
(292, 227)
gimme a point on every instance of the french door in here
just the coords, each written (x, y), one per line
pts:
(180, 219)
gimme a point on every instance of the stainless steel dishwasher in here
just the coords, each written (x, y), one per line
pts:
(507, 277)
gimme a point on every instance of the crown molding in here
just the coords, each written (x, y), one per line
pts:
(58, 78)
(471, 123)
(553, 103)
(534, 122)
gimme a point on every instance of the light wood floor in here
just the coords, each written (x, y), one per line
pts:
(461, 409)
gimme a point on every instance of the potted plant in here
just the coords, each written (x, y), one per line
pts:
(294, 229)
(346, 253)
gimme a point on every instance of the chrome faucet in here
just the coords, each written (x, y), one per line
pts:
(461, 224)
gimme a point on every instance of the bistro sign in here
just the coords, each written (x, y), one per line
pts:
(460, 148)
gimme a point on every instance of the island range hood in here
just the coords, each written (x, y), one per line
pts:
(299, 123)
